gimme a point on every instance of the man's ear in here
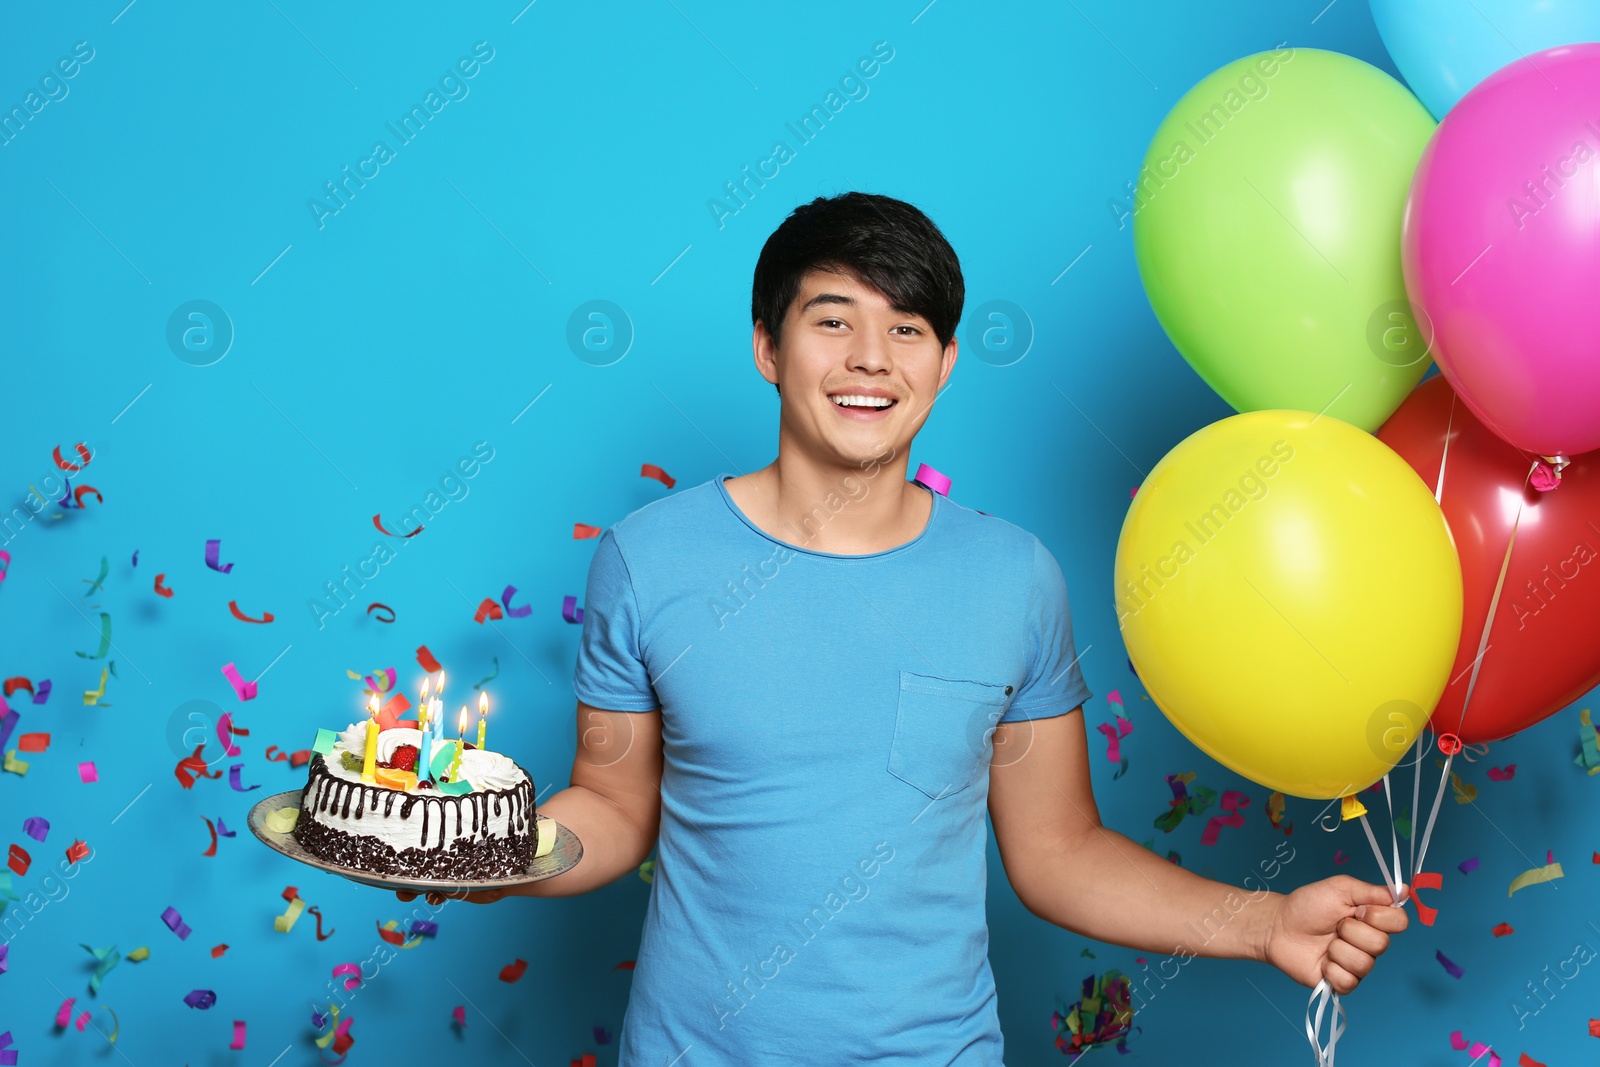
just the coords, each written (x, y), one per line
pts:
(765, 353)
(948, 362)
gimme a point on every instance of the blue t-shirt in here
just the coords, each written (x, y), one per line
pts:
(826, 723)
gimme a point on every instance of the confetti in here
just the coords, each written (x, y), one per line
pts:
(1467, 866)
(375, 606)
(932, 480)
(76, 851)
(136, 557)
(162, 590)
(214, 556)
(423, 928)
(193, 766)
(1587, 737)
(625, 965)
(139, 954)
(1503, 774)
(1232, 801)
(4, 949)
(33, 742)
(5, 566)
(570, 610)
(91, 697)
(490, 678)
(211, 850)
(379, 524)
(1502, 929)
(511, 612)
(318, 913)
(19, 860)
(650, 470)
(36, 827)
(1526, 1060)
(581, 530)
(175, 923)
(218, 950)
(105, 639)
(291, 915)
(390, 931)
(87, 772)
(1594, 1029)
(235, 781)
(200, 998)
(426, 661)
(1182, 803)
(266, 616)
(245, 690)
(13, 684)
(100, 582)
(1339, 858)
(67, 465)
(44, 692)
(64, 1013)
(1103, 1014)
(238, 1035)
(1450, 968)
(488, 609)
(226, 732)
(1114, 736)
(459, 1015)
(77, 495)
(512, 971)
(105, 959)
(353, 970)
(1548, 873)
(647, 871)
(1424, 880)
(14, 765)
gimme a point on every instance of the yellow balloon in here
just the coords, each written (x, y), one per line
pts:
(1290, 596)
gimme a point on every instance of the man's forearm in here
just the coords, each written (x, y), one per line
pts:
(1106, 887)
(613, 844)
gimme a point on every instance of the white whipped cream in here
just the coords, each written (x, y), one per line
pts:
(489, 770)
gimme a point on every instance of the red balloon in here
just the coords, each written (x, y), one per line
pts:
(1543, 654)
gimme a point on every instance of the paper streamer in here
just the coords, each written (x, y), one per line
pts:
(13, 684)
(376, 521)
(36, 827)
(238, 1035)
(351, 969)
(291, 915)
(77, 495)
(91, 697)
(222, 829)
(266, 616)
(1450, 968)
(235, 781)
(44, 692)
(105, 959)
(1232, 801)
(243, 689)
(582, 530)
(226, 732)
(1548, 873)
(570, 610)
(162, 590)
(511, 612)
(479, 684)
(100, 582)
(214, 556)
(66, 465)
(175, 923)
(105, 639)
(426, 661)
(318, 913)
(488, 609)
(932, 480)
(200, 998)
(650, 470)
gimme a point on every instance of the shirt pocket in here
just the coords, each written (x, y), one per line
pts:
(943, 731)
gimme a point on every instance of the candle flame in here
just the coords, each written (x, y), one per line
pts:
(438, 688)
(461, 723)
(425, 681)
(372, 705)
(483, 704)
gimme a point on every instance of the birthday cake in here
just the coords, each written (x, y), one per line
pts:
(468, 815)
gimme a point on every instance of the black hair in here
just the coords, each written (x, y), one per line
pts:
(884, 243)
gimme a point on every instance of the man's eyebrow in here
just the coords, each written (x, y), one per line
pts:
(827, 298)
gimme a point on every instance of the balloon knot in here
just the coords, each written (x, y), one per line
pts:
(1547, 472)
(1449, 744)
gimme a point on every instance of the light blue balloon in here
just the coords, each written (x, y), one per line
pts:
(1445, 47)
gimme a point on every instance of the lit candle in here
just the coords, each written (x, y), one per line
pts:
(425, 727)
(483, 710)
(369, 765)
(461, 728)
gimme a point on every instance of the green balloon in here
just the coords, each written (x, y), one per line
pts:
(1266, 225)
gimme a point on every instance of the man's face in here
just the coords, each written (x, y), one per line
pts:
(841, 338)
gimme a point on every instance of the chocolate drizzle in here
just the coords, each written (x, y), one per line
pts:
(508, 853)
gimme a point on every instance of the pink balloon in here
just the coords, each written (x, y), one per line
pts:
(1501, 249)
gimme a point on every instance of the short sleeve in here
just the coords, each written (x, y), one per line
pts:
(610, 673)
(1054, 683)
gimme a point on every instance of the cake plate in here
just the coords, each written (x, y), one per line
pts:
(563, 857)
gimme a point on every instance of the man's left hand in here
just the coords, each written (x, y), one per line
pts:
(1333, 929)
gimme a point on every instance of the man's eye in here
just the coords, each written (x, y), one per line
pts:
(913, 329)
(832, 322)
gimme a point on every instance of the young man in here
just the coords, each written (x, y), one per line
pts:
(811, 682)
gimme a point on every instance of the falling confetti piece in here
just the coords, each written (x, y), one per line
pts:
(212, 849)
(238, 1035)
(139, 954)
(44, 692)
(77, 495)
(91, 697)
(1339, 858)
(14, 765)
(1548, 873)
(291, 915)
(932, 480)
(162, 590)
(200, 998)
(105, 959)
(136, 557)
(375, 606)
(235, 781)
(426, 661)
(13, 684)
(352, 971)
(1231, 802)
(36, 827)
(581, 531)
(459, 1015)
(100, 582)
(1467, 866)
(266, 616)
(33, 742)
(1502, 929)
(511, 612)
(625, 965)
(650, 470)
(87, 772)
(19, 860)
(317, 912)
(1424, 880)
(423, 928)
(105, 639)
(1503, 774)
(214, 556)
(1444, 961)
(76, 851)
(490, 678)
(570, 610)
(175, 923)
(67, 465)
(217, 951)
(379, 524)
(1526, 1060)
(192, 767)
(245, 690)
(488, 609)
(512, 971)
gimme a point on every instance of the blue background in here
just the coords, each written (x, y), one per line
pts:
(371, 352)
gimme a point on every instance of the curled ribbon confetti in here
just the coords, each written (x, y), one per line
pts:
(650, 470)
(233, 606)
(175, 923)
(162, 590)
(488, 609)
(67, 465)
(581, 530)
(214, 556)
(426, 661)
(511, 612)
(245, 690)
(375, 606)
(376, 521)
(570, 610)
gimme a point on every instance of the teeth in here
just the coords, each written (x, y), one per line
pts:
(863, 401)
